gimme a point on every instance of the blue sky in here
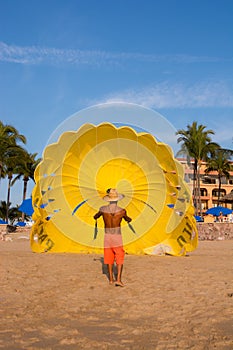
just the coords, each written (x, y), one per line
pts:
(60, 56)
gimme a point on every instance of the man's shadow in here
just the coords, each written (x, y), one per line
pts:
(105, 268)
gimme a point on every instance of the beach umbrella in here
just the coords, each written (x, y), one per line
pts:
(20, 224)
(26, 207)
(198, 218)
(216, 211)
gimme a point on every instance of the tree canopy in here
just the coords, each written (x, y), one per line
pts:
(197, 144)
(15, 161)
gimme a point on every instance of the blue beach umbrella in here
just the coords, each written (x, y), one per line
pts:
(26, 207)
(216, 211)
(20, 224)
(198, 218)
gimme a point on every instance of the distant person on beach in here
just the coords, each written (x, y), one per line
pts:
(230, 217)
(220, 218)
(113, 245)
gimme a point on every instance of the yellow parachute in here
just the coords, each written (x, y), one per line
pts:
(74, 175)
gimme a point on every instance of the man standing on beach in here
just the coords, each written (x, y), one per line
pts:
(113, 245)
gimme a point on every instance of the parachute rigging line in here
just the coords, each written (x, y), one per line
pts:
(78, 206)
(150, 206)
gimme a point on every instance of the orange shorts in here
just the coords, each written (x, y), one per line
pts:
(113, 249)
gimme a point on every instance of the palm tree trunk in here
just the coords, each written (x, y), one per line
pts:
(195, 187)
(194, 192)
(219, 188)
(198, 191)
(8, 197)
(0, 172)
(25, 181)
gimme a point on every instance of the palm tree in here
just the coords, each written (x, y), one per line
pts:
(7, 213)
(26, 169)
(9, 138)
(13, 159)
(10, 153)
(219, 162)
(197, 144)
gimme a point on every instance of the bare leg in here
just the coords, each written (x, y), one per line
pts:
(110, 271)
(119, 273)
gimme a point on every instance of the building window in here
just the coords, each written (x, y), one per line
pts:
(216, 191)
(206, 180)
(203, 191)
(204, 205)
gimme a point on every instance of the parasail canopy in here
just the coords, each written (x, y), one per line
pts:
(74, 175)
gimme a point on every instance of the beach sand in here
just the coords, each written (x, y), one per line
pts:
(64, 301)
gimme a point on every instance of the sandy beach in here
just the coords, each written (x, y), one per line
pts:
(64, 301)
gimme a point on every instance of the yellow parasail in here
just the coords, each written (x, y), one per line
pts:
(74, 175)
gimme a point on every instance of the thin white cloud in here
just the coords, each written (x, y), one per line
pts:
(35, 55)
(170, 95)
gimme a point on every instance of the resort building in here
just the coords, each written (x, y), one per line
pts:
(209, 185)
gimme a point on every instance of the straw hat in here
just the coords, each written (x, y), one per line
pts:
(113, 195)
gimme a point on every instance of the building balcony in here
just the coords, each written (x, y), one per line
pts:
(205, 198)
